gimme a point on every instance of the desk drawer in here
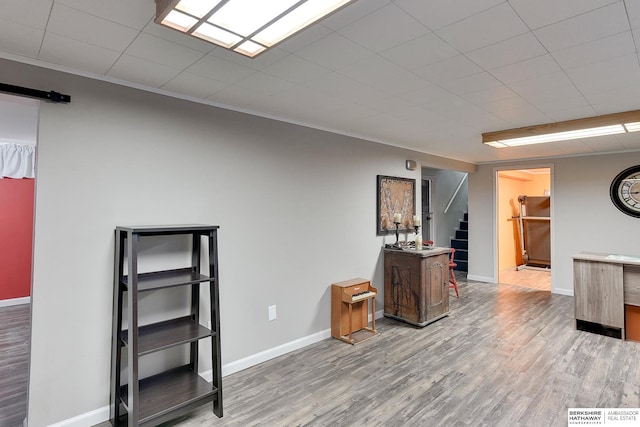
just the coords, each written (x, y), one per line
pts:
(631, 280)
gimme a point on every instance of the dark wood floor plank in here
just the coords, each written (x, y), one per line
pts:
(14, 364)
(506, 356)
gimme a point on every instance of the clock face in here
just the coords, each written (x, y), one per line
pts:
(625, 191)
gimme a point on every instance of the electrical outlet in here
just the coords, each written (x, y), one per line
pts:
(272, 313)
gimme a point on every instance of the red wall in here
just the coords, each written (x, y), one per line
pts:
(16, 237)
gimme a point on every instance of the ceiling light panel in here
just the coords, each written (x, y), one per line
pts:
(608, 124)
(245, 17)
(248, 27)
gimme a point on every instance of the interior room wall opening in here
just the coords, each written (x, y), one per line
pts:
(18, 135)
(523, 225)
(444, 198)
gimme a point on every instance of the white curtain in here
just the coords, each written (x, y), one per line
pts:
(17, 161)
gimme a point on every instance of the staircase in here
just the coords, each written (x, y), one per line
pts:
(461, 244)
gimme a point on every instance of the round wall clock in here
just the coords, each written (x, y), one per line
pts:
(625, 191)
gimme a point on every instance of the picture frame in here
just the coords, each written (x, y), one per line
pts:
(394, 195)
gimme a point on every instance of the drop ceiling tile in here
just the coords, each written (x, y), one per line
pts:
(178, 37)
(427, 94)
(304, 38)
(133, 14)
(296, 69)
(260, 62)
(524, 70)
(630, 141)
(596, 51)
(546, 87)
(162, 51)
(473, 83)
(516, 111)
(447, 106)
(540, 13)
(420, 52)
(560, 113)
(345, 87)
(380, 73)
(89, 29)
(488, 96)
(622, 71)
(307, 101)
(194, 85)
(334, 51)
(263, 84)
(72, 53)
(219, 69)
(20, 39)
(30, 13)
(140, 71)
(399, 108)
(449, 69)
(614, 99)
(633, 11)
(436, 14)
(392, 26)
(604, 143)
(510, 51)
(351, 13)
(481, 30)
(594, 25)
(235, 97)
(636, 36)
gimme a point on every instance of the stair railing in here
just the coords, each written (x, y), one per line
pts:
(455, 193)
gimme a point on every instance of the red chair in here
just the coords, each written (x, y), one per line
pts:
(453, 283)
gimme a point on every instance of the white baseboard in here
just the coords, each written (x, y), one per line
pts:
(14, 301)
(567, 292)
(101, 415)
(481, 278)
(87, 419)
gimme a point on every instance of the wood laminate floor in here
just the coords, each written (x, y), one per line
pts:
(506, 356)
(14, 364)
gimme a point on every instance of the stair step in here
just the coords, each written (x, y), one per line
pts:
(462, 234)
(459, 244)
(462, 266)
(461, 255)
(464, 225)
(466, 216)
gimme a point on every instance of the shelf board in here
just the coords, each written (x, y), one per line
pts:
(165, 394)
(170, 333)
(160, 230)
(166, 279)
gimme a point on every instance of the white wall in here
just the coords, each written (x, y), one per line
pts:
(296, 208)
(18, 119)
(583, 216)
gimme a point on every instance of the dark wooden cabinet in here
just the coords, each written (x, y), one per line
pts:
(152, 400)
(416, 285)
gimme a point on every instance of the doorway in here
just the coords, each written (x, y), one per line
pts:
(18, 138)
(524, 211)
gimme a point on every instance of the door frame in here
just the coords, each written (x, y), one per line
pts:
(496, 253)
(427, 217)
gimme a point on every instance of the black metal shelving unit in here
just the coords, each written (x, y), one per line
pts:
(153, 400)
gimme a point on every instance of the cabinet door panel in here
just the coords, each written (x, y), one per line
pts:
(598, 293)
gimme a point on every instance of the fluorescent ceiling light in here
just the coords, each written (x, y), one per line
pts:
(609, 124)
(248, 27)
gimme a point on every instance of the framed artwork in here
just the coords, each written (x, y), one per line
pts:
(395, 196)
